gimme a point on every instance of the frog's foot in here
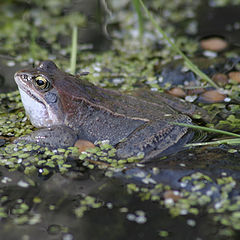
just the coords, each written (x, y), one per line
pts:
(153, 142)
(53, 137)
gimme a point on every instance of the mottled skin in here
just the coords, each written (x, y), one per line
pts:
(67, 108)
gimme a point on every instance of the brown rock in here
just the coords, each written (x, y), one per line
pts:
(171, 194)
(195, 91)
(83, 145)
(220, 78)
(212, 96)
(215, 44)
(235, 76)
(177, 92)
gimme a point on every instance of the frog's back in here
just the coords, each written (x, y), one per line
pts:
(134, 106)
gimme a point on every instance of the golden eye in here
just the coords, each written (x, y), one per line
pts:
(41, 83)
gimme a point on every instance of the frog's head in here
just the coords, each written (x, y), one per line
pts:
(39, 94)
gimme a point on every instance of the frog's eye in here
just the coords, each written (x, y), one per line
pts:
(41, 83)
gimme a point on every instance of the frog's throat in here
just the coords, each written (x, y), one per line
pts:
(36, 110)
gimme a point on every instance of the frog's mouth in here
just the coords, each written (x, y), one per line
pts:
(21, 86)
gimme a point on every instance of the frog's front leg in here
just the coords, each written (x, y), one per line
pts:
(53, 137)
(154, 138)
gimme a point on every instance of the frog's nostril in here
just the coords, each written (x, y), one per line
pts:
(25, 77)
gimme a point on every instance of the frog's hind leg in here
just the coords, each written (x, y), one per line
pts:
(155, 138)
(171, 150)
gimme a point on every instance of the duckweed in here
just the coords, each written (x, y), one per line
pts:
(33, 157)
(37, 200)
(104, 155)
(190, 201)
(86, 204)
(131, 187)
(163, 233)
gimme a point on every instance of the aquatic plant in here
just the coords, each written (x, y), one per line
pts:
(175, 48)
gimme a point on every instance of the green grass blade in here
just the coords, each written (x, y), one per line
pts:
(212, 130)
(231, 141)
(137, 7)
(74, 50)
(188, 62)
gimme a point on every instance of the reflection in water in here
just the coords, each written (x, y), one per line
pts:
(112, 207)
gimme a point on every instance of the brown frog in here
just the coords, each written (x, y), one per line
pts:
(67, 108)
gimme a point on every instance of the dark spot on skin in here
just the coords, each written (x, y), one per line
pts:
(25, 77)
(50, 97)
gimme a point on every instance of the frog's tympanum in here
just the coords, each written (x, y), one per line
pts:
(67, 108)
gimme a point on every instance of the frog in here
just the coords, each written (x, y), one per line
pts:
(68, 107)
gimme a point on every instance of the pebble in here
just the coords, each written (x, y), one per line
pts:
(177, 92)
(215, 44)
(83, 145)
(191, 98)
(235, 76)
(174, 195)
(195, 91)
(212, 96)
(209, 54)
(220, 78)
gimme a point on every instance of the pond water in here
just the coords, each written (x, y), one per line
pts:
(136, 203)
(192, 194)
